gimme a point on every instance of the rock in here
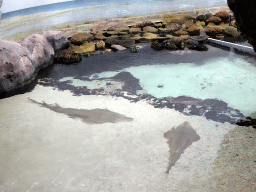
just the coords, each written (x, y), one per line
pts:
(219, 37)
(181, 32)
(135, 49)
(201, 18)
(171, 18)
(245, 16)
(208, 15)
(181, 39)
(135, 30)
(233, 24)
(87, 47)
(224, 15)
(147, 37)
(99, 36)
(41, 51)
(57, 39)
(200, 23)
(80, 38)
(195, 45)
(230, 31)
(157, 45)
(213, 31)
(221, 25)
(202, 39)
(150, 30)
(118, 47)
(170, 45)
(16, 67)
(100, 45)
(194, 30)
(214, 19)
(125, 41)
(67, 58)
(164, 31)
(144, 24)
(158, 25)
(20, 63)
(136, 37)
(174, 25)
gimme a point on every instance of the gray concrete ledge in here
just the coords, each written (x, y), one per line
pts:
(234, 46)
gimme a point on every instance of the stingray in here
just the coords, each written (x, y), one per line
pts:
(93, 116)
(179, 139)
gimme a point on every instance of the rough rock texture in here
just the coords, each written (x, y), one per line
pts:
(19, 62)
(245, 15)
(16, 66)
(57, 39)
(42, 52)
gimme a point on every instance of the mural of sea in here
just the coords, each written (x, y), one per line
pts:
(84, 10)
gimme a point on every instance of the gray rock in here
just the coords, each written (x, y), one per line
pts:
(16, 67)
(19, 62)
(42, 52)
(118, 47)
(57, 39)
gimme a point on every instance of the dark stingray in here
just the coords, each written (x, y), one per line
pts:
(93, 116)
(179, 139)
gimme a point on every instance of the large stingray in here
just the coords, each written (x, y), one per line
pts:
(93, 116)
(179, 139)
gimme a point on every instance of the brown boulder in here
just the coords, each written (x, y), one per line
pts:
(213, 31)
(224, 15)
(150, 30)
(124, 41)
(80, 38)
(214, 19)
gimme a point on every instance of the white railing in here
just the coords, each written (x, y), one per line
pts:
(238, 47)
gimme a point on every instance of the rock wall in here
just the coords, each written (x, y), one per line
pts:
(245, 15)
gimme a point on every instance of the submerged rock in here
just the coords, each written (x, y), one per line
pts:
(135, 49)
(67, 58)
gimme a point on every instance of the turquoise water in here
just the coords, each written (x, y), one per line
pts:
(232, 80)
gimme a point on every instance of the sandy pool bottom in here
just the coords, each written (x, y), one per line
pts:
(42, 150)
